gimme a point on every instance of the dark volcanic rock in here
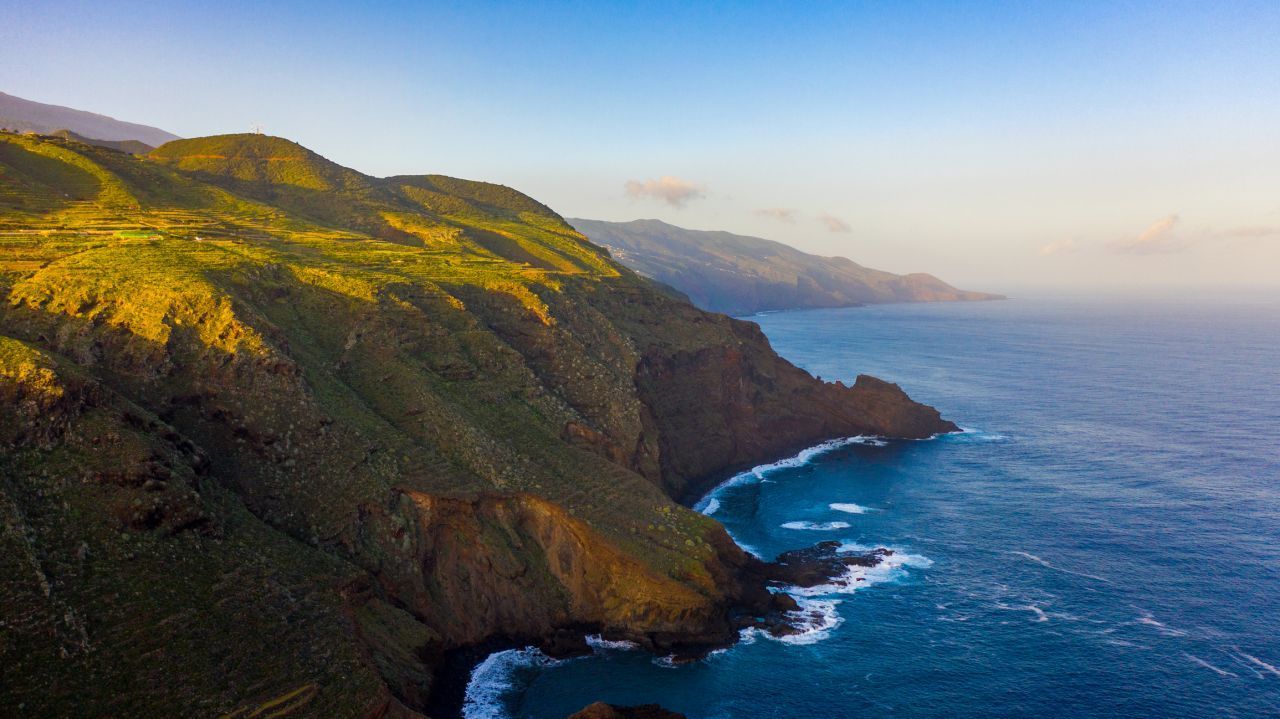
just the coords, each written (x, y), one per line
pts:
(600, 710)
(821, 563)
(778, 612)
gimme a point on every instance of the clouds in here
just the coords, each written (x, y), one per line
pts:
(833, 223)
(679, 192)
(1168, 235)
(789, 216)
(1158, 237)
(671, 190)
(781, 214)
(1060, 247)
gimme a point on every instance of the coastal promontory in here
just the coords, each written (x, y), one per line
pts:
(278, 436)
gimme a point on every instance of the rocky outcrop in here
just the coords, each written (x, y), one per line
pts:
(520, 566)
(600, 710)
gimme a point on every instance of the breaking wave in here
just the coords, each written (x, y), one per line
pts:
(495, 678)
(891, 567)
(759, 472)
(816, 526)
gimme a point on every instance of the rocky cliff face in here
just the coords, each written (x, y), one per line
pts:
(258, 456)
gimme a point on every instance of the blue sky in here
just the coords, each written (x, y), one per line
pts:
(995, 144)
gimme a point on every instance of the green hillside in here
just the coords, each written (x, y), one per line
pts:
(277, 436)
(740, 275)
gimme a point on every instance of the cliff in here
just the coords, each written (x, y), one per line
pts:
(740, 275)
(279, 437)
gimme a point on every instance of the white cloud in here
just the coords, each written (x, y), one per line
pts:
(671, 190)
(782, 214)
(833, 223)
(1158, 237)
(1060, 247)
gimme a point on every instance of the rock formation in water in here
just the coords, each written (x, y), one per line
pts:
(600, 710)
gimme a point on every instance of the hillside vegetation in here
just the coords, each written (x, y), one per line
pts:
(740, 275)
(277, 437)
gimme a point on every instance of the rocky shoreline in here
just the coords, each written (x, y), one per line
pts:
(763, 605)
(774, 612)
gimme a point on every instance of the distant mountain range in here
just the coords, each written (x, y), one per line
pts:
(29, 116)
(738, 275)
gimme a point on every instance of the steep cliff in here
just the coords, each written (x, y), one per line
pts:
(279, 436)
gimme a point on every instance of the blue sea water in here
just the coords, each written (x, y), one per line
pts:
(1104, 541)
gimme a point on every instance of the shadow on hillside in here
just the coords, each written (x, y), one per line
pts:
(61, 183)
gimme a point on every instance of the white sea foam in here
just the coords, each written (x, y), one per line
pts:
(595, 641)
(712, 505)
(816, 526)
(493, 679)
(1126, 643)
(1148, 619)
(891, 567)
(1269, 667)
(1039, 613)
(1045, 563)
(1207, 665)
(817, 615)
(972, 434)
(759, 472)
(815, 618)
(849, 508)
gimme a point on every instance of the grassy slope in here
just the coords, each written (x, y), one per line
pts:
(737, 274)
(322, 352)
(277, 433)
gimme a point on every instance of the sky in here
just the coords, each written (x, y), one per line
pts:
(998, 145)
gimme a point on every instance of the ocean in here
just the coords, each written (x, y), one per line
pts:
(1102, 541)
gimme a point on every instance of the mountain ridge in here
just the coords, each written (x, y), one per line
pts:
(741, 275)
(24, 115)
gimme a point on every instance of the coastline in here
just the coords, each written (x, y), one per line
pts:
(771, 311)
(461, 663)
